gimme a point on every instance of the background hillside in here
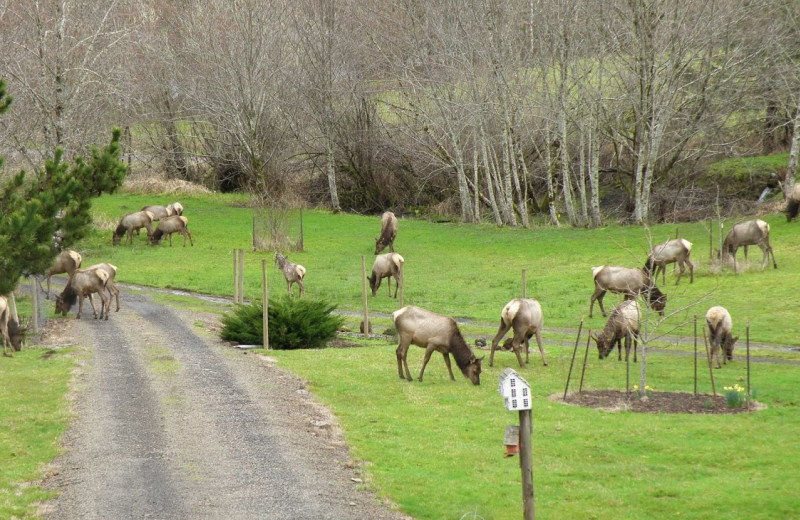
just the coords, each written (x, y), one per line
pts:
(514, 113)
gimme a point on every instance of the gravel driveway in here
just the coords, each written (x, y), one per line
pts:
(172, 423)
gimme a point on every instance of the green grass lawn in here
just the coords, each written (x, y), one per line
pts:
(436, 448)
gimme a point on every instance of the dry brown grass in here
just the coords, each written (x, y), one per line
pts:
(155, 185)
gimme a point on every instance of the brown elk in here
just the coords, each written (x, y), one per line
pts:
(83, 283)
(623, 323)
(748, 233)
(133, 222)
(111, 287)
(671, 251)
(525, 317)
(386, 266)
(294, 273)
(160, 212)
(170, 225)
(720, 326)
(66, 262)
(433, 332)
(12, 333)
(388, 232)
(628, 281)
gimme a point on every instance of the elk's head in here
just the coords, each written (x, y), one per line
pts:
(603, 347)
(727, 346)
(473, 370)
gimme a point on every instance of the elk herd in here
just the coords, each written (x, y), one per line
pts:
(524, 316)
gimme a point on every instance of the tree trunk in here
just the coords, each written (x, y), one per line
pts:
(551, 191)
(330, 170)
(489, 184)
(791, 168)
(594, 175)
(582, 177)
(569, 203)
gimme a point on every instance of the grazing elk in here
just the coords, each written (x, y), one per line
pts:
(170, 225)
(133, 222)
(525, 317)
(12, 333)
(66, 262)
(160, 212)
(675, 250)
(433, 332)
(628, 281)
(748, 233)
(623, 323)
(386, 266)
(111, 287)
(388, 232)
(294, 273)
(793, 204)
(720, 326)
(83, 283)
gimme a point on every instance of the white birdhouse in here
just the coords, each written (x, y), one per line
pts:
(516, 391)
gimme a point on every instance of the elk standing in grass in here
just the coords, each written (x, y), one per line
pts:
(294, 273)
(111, 287)
(83, 283)
(748, 233)
(675, 250)
(66, 262)
(524, 316)
(623, 323)
(433, 332)
(386, 266)
(133, 222)
(628, 281)
(720, 326)
(388, 232)
(170, 225)
(12, 333)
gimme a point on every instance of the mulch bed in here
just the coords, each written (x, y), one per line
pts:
(656, 402)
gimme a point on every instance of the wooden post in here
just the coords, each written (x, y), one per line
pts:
(12, 303)
(300, 246)
(748, 364)
(402, 284)
(241, 276)
(585, 358)
(364, 295)
(575, 351)
(265, 302)
(525, 463)
(695, 354)
(235, 276)
(524, 283)
(35, 304)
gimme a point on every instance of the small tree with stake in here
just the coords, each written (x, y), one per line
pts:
(50, 210)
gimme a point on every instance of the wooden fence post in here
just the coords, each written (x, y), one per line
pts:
(265, 302)
(235, 276)
(364, 295)
(525, 457)
(241, 275)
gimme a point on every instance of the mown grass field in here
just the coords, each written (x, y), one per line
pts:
(435, 448)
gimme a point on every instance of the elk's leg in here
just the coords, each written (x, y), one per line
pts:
(598, 295)
(402, 362)
(497, 337)
(428, 351)
(191, 241)
(449, 368)
(539, 342)
(302, 291)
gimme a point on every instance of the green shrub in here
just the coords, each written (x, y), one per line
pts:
(293, 324)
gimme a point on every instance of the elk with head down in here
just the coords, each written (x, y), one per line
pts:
(628, 281)
(83, 283)
(133, 222)
(160, 212)
(623, 323)
(720, 327)
(748, 233)
(12, 333)
(524, 316)
(433, 332)
(388, 232)
(386, 266)
(111, 287)
(671, 251)
(66, 262)
(170, 225)
(294, 273)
